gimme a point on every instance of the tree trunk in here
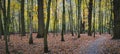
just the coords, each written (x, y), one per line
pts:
(0, 25)
(90, 17)
(116, 11)
(63, 22)
(79, 17)
(94, 19)
(47, 27)
(31, 23)
(100, 31)
(5, 26)
(71, 18)
(111, 20)
(40, 19)
(8, 17)
(55, 20)
(22, 18)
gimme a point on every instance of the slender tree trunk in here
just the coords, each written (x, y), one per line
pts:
(40, 19)
(102, 21)
(22, 18)
(55, 20)
(28, 17)
(71, 18)
(76, 26)
(79, 17)
(116, 11)
(90, 17)
(111, 20)
(63, 22)
(8, 17)
(0, 24)
(5, 26)
(47, 27)
(12, 21)
(94, 19)
(20, 31)
(83, 25)
(31, 23)
(70, 29)
(100, 17)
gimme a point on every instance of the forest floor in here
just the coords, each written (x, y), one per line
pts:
(101, 44)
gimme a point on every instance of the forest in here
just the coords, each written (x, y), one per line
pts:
(59, 26)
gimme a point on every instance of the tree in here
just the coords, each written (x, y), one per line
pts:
(94, 19)
(116, 11)
(8, 17)
(5, 23)
(83, 24)
(22, 18)
(79, 17)
(71, 18)
(40, 19)
(55, 20)
(111, 20)
(1, 21)
(63, 22)
(31, 25)
(0, 24)
(100, 31)
(90, 17)
(47, 26)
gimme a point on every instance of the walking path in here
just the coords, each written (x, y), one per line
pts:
(94, 48)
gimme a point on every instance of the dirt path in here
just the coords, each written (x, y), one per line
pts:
(94, 48)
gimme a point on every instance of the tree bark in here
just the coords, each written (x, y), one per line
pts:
(31, 23)
(0, 25)
(1, 22)
(47, 27)
(55, 20)
(63, 22)
(100, 31)
(79, 17)
(40, 19)
(22, 18)
(71, 18)
(5, 26)
(8, 19)
(90, 17)
(94, 19)
(116, 11)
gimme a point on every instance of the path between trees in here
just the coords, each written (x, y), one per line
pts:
(94, 47)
